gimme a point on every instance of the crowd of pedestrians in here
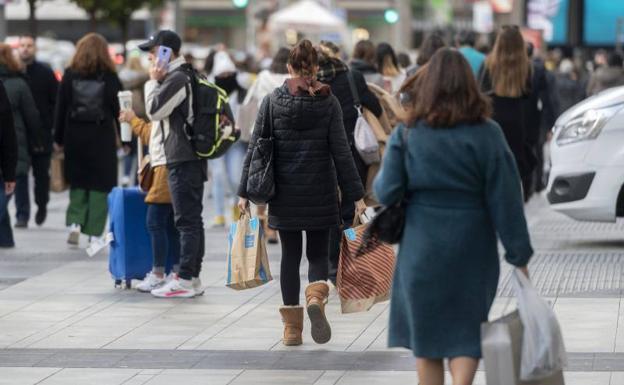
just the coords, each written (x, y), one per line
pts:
(465, 150)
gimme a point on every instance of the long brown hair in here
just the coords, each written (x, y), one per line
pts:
(8, 59)
(92, 56)
(508, 64)
(444, 92)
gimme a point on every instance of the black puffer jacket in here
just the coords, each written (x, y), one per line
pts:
(312, 159)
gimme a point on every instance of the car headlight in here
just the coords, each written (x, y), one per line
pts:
(586, 126)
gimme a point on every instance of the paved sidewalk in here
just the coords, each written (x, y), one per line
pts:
(68, 325)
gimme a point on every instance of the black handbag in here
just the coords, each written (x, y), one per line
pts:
(389, 222)
(261, 179)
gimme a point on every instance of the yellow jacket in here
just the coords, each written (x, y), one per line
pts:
(159, 192)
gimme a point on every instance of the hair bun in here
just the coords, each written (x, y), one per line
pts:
(303, 58)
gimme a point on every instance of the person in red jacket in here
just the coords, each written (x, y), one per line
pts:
(8, 163)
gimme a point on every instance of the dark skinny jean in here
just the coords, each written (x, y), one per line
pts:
(186, 184)
(317, 247)
(164, 235)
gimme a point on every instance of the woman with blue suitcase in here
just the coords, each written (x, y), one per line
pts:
(160, 223)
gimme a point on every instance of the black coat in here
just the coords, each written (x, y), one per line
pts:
(341, 89)
(90, 148)
(514, 116)
(44, 87)
(311, 159)
(543, 103)
(8, 139)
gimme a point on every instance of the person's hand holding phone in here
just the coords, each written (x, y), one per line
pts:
(161, 65)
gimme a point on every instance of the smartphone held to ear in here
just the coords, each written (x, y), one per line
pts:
(163, 57)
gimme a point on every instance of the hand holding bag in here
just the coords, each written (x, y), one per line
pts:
(364, 275)
(261, 180)
(247, 261)
(502, 349)
(389, 223)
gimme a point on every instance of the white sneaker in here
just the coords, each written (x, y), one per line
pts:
(170, 277)
(151, 282)
(177, 288)
(74, 234)
(198, 287)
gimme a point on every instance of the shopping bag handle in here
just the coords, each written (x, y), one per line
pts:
(246, 211)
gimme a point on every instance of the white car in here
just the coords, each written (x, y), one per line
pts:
(587, 156)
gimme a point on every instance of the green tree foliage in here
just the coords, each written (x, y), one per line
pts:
(118, 12)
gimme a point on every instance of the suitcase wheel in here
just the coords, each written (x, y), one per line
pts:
(118, 284)
(128, 284)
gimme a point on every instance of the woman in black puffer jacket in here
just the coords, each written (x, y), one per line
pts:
(312, 159)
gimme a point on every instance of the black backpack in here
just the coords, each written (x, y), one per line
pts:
(88, 100)
(213, 130)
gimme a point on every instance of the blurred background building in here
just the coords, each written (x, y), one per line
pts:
(262, 24)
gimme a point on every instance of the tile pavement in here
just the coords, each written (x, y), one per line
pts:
(51, 317)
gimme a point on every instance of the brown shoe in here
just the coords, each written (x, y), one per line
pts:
(292, 317)
(316, 297)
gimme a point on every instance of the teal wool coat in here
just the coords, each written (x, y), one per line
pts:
(463, 189)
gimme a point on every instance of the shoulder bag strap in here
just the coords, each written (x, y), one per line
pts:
(268, 114)
(354, 92)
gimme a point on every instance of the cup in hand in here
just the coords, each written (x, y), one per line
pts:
(125, 103)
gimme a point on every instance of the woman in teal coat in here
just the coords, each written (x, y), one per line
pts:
(453, 167)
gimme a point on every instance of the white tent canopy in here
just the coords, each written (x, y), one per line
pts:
(307, 16)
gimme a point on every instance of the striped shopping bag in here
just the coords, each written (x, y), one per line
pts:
(364, 276)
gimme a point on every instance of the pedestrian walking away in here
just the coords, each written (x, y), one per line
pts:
(28, 128)
(430, 45)
(335, 73)
(312, 159)
(169, 106)
(453, 168)
(506, 77)
(44, 87)
(364, 60)
(8, 163)
(388, 66)
(465, 42)
(86, 128)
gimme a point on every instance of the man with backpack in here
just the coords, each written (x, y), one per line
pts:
(169, 104)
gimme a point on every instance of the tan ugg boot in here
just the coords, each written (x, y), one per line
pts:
(292, 317)
(316, 297)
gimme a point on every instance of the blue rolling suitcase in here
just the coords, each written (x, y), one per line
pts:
(130, 254)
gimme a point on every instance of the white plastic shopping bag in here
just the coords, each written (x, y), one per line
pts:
(543, 351)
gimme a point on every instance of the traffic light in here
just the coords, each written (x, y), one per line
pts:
(391, 16)
(240, 3)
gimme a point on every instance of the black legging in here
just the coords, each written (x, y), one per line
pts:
(317, 247)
